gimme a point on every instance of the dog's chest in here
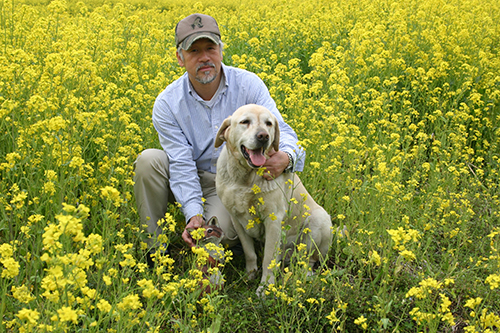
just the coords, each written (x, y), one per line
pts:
(254, 229)
(247, 203)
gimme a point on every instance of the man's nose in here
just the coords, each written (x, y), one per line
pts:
(204, 56)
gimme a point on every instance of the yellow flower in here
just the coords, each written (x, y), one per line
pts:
(49, 188)
(18, 199)
(493, 280)
(361, 321)
(149, 289)
(332, 317)
(431, 283)
(67, 314)
(30, 316)
(489, 319)
(260, 171)
(6, 250)
(50, 174)
(473, 302)
(130, 302)
(111, 194)
(256, 189)
(301, 247)
(250, 225)
(374, 258)
(273, 264)
(129, 260)
(94, 243)
(408, 255)
(447, 282)
(11, 268)
(198, 234)
(22, 294)
(104, 306)
(107, 280)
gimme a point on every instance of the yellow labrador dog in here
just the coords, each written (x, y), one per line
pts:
(258, 206)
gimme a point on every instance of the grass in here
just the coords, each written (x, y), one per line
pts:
(396, 104)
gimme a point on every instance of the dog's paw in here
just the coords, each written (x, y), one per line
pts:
(251, 275)
(261, 291)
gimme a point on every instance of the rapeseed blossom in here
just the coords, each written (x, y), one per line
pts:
(67, 314)
(31, 316)
(10, 267)
(130, 302)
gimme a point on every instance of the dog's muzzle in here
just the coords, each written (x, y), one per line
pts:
(255, 157)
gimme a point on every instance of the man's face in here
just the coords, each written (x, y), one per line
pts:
(202, 61)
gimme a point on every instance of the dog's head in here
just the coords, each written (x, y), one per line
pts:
(250, 132)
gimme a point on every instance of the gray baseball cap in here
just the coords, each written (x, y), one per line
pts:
(194, 27)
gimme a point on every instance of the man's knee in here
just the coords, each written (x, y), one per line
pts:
(151, 160)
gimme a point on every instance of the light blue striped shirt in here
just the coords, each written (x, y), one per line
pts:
(187, 126)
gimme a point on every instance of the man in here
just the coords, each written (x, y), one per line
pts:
(186, 116)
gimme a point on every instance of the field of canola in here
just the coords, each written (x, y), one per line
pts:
(397, 104)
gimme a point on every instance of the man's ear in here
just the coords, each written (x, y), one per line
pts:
(179, 59)
(221, 133)
(276, 141)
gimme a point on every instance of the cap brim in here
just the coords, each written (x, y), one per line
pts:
(188, 41)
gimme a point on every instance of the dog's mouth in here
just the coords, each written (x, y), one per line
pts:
(255, 157)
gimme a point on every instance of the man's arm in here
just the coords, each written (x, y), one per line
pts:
(183, 173)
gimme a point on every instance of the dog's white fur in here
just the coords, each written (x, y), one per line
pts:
(255, 127)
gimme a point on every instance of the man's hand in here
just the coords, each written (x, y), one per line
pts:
(194, 223)
(275, 164)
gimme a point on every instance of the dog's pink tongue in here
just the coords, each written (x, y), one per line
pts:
(256, 157)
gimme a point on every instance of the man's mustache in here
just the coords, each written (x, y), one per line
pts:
(205, 65)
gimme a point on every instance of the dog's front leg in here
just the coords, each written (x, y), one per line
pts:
(248, 248)
(272, 249)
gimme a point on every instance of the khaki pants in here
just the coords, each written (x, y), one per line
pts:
(152, 195)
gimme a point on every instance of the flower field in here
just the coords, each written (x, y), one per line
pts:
(397, 104)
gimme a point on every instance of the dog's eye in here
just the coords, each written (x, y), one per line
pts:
(269, 124)
(245, 122)
(209, 231)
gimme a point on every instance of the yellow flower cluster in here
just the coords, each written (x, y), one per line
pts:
(10, 265)
(401, 238)
(426, 295)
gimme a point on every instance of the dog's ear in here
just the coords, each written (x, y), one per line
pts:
(276, 142)
(221, 133)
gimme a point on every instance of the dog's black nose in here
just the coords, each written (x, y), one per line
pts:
(262, 137)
